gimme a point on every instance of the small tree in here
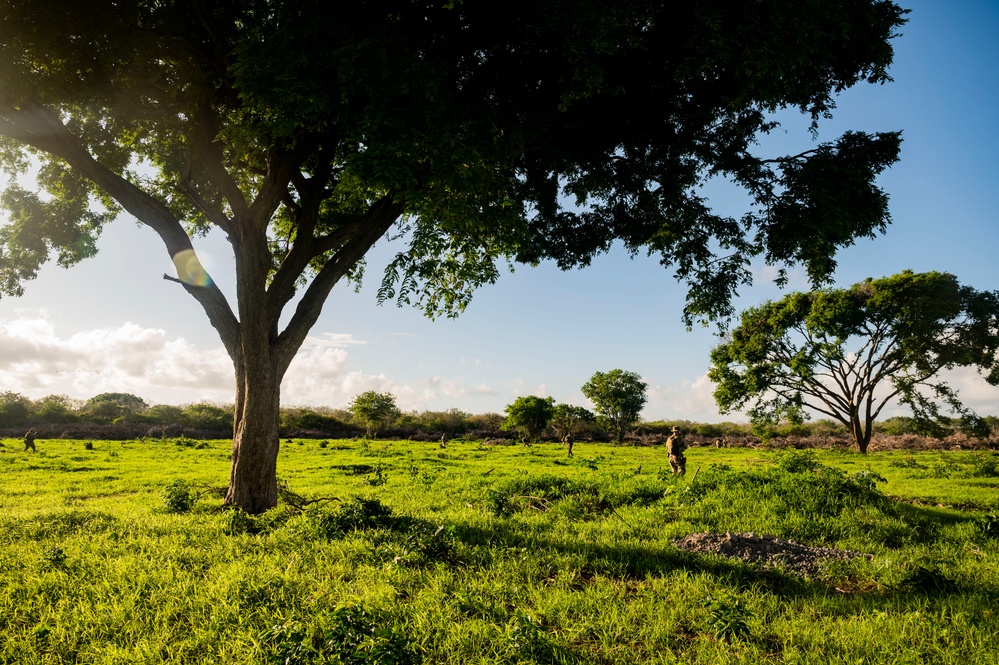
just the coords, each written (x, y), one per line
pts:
(529, 415)
(14, 409)
(567, 416)
(54, 409)
(373, 410)
(846, 353)
(108, 407)
(208, 416)
(618, 396)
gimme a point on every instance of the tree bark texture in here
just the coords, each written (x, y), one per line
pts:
(256, 440)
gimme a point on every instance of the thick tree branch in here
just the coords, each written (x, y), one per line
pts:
(214, 214)
(281, 167)
(380, 218)
(210, 153)
(41, 128)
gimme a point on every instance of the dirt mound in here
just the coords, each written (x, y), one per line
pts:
(766, 551)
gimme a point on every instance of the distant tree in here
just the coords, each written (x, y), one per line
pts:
(54, 409)
(618, 397)
(529, 415)
(321, 420)
(208, 416)
(108, 407)
(164, 414)
(478, 133)
(452, 422)
(486, 422)
(373, 410)
(846, 353)
(566, 417)
(14, 409)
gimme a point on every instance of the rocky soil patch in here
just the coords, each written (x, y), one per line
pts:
(766, 551)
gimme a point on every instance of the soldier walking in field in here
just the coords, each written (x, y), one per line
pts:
(29, 441)
(675, 447)
(567, 440)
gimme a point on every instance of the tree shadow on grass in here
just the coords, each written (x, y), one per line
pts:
(632, 562)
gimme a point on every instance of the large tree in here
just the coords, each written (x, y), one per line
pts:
(618, 397)
(530, 415)
(481, 132)
(847, 353)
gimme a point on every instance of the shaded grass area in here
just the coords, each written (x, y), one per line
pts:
(400, 552)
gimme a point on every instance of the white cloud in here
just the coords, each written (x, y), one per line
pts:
(334, 339)
(438, 392)
(148, 362)
(690, 400)
(126, 358)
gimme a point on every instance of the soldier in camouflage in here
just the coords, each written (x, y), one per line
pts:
(29, 441)
(675, 447)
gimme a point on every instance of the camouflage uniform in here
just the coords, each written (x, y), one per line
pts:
(29, 441)
(675, 447)
(567, 440)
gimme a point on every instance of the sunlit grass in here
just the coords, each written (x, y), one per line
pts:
(496, 554)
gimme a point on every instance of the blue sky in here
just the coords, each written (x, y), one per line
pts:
(113, 324)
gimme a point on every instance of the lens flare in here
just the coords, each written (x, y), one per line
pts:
(189, 269)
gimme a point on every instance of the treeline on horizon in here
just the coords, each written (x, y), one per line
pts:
(123, 416)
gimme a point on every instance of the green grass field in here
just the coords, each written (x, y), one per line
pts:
(492, 554)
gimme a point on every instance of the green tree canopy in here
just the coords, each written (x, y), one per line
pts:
(14, 409)
(207, 416)
(847, 353)
(373, 410)
(479, 132)
(55, 409)
(108, 407)
(529, 415)
(618, 397)
(566, 417)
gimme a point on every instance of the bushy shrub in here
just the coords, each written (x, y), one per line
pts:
(54, 557)
(812, 503)
(797, 461)
(205, 416)
(984, 465)
(531, 491)
(727, 617)
(357, 514)
(895, 426)
(318, 420)
(576, 497)
(530, 643)
(352, 635)
(178, 496)
(187, 442)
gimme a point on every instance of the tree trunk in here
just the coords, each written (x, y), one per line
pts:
(862, 433)
(255, 437)
(255, 442)
(866, 440)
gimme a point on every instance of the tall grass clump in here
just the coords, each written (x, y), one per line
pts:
(798, 497)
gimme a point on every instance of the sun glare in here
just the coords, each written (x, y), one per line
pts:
(189, 269)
